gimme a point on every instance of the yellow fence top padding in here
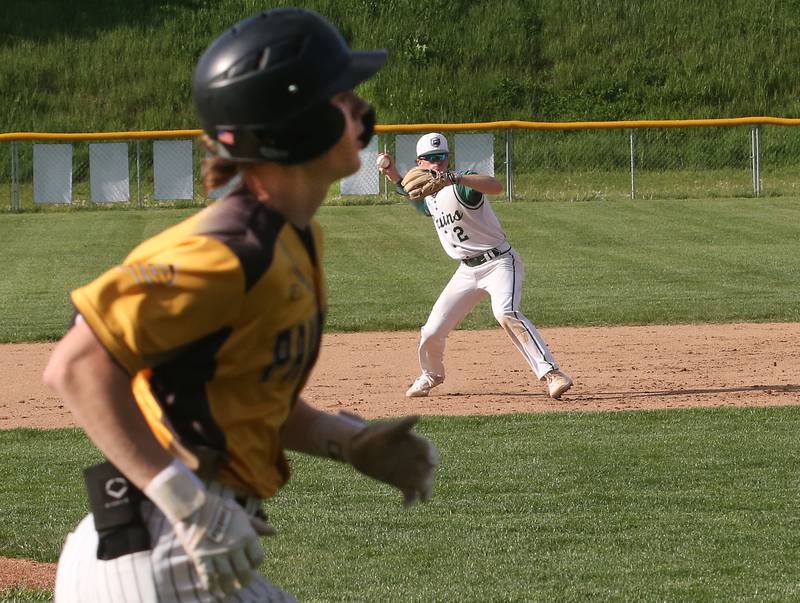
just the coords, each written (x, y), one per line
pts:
(590, 125)
(151, 134)
(442, 127)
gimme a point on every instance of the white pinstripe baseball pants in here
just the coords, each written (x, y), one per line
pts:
(502, 279)
(163, 574)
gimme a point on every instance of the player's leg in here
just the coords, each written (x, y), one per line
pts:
(165, 570)
(76, 563)
(82, 578)
(456, 300)
(503, 279)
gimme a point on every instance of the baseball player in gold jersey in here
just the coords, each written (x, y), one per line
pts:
(186, 362)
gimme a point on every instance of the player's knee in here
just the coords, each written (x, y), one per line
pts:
(512, 323)
(429, 334)
(507, 320)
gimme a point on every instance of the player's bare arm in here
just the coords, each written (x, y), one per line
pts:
(98, 392)
(483, 183)
(312, 431)
(488, 185)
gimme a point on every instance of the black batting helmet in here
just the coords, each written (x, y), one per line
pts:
(262, 88)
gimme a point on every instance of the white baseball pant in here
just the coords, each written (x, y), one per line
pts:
(502, 279)
(164, 574)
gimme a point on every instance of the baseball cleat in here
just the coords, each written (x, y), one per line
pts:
(557, 383)
(423, 385)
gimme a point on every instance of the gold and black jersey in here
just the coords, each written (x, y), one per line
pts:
(218, 320)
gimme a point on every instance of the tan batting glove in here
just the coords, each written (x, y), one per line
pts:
(390, 452)
(218, 535)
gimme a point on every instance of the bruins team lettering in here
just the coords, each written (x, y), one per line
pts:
(445, 220)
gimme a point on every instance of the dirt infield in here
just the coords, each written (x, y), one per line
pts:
(26, 573)
(618, 368)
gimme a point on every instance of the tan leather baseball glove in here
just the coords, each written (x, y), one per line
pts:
(421, 182)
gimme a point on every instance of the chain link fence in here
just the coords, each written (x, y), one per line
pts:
(85, 173)
(567, 163)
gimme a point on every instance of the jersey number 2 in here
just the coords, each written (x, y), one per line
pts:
(460, 233)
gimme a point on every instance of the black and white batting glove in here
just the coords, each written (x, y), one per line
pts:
(217, 534)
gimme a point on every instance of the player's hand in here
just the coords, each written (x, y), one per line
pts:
(223, 543)
(383, 162)
(217, 534)
(390, 452)
(387, 166)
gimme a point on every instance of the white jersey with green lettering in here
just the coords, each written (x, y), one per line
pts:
(465, 222)
(469, 231)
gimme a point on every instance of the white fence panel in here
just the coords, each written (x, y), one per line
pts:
(109, 173)
(172, 169)
(405, 152)
(52, 173)
(366, 180)
(475, 152)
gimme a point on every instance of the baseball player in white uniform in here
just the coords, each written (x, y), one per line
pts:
(470, 232)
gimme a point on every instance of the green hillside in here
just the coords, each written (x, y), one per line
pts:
(120, 65)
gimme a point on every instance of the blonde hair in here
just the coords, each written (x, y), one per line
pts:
(216, 171)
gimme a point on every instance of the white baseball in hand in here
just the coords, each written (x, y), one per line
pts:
(383, 162)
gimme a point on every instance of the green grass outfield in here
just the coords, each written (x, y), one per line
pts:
(587, 263)
(691, 505)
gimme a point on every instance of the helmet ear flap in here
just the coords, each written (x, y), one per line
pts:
(299, 139)
(306, 136)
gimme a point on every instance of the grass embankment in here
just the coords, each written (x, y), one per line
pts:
(115, 65)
